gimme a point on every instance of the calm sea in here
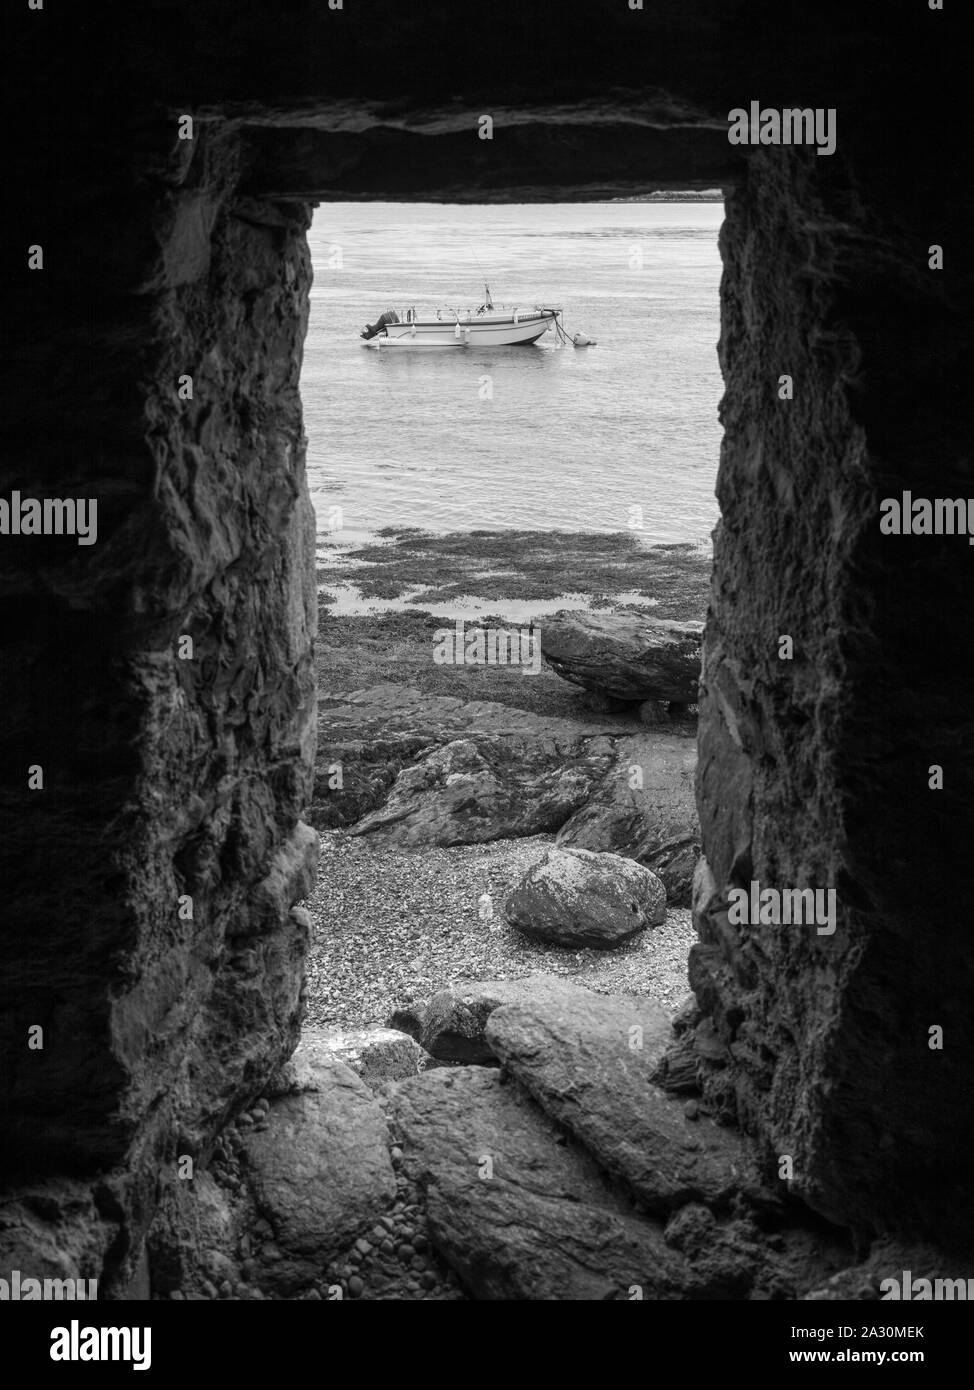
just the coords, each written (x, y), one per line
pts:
(558, 438)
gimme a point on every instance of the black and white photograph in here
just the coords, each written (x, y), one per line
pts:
(487, 590)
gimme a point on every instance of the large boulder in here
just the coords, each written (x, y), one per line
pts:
(628, 655)
(451, 1026)
(576, 898)
(583, 1066)
(645, 809)
(516, 1210)
(320, 1172)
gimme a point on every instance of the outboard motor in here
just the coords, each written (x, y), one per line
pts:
(371, 329)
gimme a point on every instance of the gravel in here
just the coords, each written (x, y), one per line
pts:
(394, 925)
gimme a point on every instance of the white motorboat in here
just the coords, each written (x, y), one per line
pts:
(489, 325)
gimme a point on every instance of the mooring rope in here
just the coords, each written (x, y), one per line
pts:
(566, 339)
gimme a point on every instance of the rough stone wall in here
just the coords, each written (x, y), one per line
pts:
(814, 771)
(164, 777)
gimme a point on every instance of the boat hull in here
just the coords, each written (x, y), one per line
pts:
(472, 332)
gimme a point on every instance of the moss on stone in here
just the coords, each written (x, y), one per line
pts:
(523, 566)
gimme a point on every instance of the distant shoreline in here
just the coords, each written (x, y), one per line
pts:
(684, 195)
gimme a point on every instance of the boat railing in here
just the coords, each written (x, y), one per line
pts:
(449, 314)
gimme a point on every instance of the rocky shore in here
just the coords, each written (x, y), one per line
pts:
(444, 788)
(440, 790)
(497, 1092)
(440, 786)
(546, 1148)
(395, 925)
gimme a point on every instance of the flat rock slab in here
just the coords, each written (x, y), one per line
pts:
(425, 769)
(378, 733)
(579, 1065)
(489, 788)
(516, 1209)
(654, 821)
(389, 709)
(577, 898)
(628, 655)
(451, 1026)
(321, 1172)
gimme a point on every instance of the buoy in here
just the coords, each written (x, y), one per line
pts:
(580, 340)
